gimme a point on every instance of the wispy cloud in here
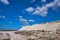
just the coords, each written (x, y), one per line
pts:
(33, 1)
(25, 21)
(4, 1)
(31, 20)
(43, 10)
(55, 3)
(2, 16)
(43, 0)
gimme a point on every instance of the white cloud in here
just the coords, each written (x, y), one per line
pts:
(40, 0)
(43, 10)
(24, 21)
(4, 1)
(43, 0)
(20, 16)
(54, 4)
(59, 4)
(31, 20)
(30, 9)
(36, 12)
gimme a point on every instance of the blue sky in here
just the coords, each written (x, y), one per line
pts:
(17, 13)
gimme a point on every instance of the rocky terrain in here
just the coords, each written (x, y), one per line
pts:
(40, 35)
(46, 31)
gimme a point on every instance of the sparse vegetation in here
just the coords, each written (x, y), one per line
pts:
(6, 39)
(58, 31)
(31, 39)
(39, 34)
(26, 33)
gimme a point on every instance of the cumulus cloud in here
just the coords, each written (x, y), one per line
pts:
(24, 21)
(30, 9)
(43, 10)
(4, 1)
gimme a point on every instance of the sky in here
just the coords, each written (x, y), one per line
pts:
(14, 14)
